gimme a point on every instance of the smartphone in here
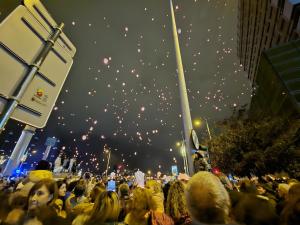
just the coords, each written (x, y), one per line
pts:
(111, 185)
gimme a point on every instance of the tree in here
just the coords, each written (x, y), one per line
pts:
(266, 146)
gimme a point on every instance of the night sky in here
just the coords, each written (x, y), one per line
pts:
(122, 89)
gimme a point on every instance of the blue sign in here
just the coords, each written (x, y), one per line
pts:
(50, 141)
(174, 170)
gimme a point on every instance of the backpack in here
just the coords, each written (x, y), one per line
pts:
(157, 218)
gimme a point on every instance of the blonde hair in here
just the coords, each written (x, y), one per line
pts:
(283, 190)
(176, 206)
(142, 203)
(154, 186)
(208, 200)
(106, 208)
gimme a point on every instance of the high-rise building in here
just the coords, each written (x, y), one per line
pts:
(277, 82)
(263, 24)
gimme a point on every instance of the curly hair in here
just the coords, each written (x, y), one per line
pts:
(141, 204)
(176, 206)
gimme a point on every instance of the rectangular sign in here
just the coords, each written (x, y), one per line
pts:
(174, 170)
(50, 141)
(23, 35)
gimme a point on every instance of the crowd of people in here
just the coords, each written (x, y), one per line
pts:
(42, 198)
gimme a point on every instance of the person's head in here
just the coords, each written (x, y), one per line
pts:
(294, 191)
(252, 210)
(58, 204)
(176, 202)
(106, 208)
(43, 165)
(184, 178)
(43, 215)
(62, 188)
(291, 182)
(97, 190)
(79, 190)
(283, 190)
(15, 216)
(142, 203)
(153, 186)
(18, 200)
(260, 189)
(207, 199)
(5, 205)
(123, 190)
(42, 193)
(291, 212)
(72, 185)
(247, 187)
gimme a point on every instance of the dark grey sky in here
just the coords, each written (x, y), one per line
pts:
(122, 89)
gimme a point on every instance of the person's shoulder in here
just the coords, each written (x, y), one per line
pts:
(198, 223)
(107, 223)
(80, 219)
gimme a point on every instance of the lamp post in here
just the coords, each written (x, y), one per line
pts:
(208, 130)
(185, 108)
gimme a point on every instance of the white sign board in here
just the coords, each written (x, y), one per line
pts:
(140, 178)
(22, 36)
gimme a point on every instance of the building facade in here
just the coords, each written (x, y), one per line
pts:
(263, 24)
(277, 82)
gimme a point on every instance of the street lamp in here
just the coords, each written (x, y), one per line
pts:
(197, 123)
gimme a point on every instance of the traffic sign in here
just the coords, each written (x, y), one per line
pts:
(23, 35)
(50, 141)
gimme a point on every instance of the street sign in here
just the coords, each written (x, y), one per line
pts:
(50, 141)
(23, 35)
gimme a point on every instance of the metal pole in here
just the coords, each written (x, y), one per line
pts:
(108, 158)
(183, 152)
(23, 160)
(209, 134)
(184, 159)
(19, 150)
(208, 130)
(186, 114)
(20, 90)
(46, 153)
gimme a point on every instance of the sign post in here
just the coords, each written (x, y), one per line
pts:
(19, 150)
(35, 59)
(50, 142)
(185, 107)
